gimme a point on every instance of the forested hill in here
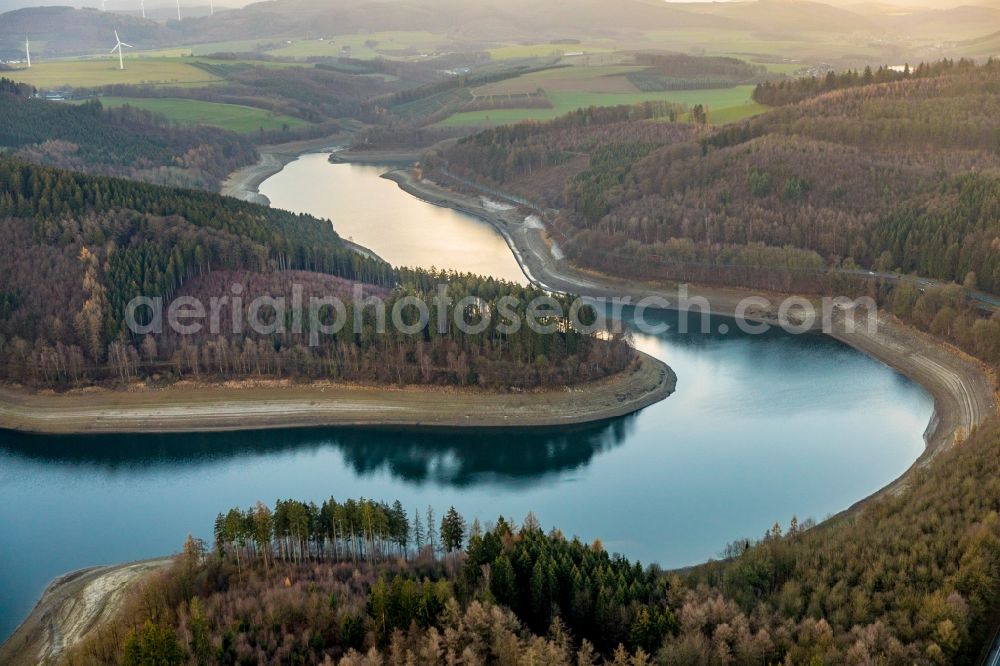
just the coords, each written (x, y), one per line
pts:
(900, 176)
(77, 249)
(120, 142)
(910, 579)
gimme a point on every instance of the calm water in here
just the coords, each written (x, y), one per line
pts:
(402, 229)
(760, 428)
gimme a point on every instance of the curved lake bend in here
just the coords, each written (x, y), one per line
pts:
(760, 428)
(402, 229)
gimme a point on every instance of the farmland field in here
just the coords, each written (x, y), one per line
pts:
(515, 51)
(747, 43)
(583, 79)
(233, 117)
(365, 45)
(185, 56)
(725, 105)
(104, 71)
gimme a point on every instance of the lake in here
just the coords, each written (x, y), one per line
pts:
(761, 428)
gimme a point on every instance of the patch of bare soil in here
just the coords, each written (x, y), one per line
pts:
(72, 606)
(249, 405)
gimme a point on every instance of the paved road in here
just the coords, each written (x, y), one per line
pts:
(986, 301)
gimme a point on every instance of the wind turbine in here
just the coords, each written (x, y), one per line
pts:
(142, 6)
(27, 52)
(118, 47)
(211, 7)
(178, 10)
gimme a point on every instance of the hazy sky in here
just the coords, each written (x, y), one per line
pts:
(7, 5)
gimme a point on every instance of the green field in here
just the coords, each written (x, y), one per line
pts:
(578, 78)
(104, 71)
(233, 117)
(516, 51)
(185, 56)
(731, 114)
(724, 104)
(365, 45)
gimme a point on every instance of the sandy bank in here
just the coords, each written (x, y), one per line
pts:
(963, 392)
(186, 407)
(72, 606)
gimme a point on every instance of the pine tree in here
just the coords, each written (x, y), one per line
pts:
(418, 531)
(430, 528)
(452, 530)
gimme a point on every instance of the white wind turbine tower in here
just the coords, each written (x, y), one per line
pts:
(27, 52)
(118, 47)
(142, 6)
(178, 10)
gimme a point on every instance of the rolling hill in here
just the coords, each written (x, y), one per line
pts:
(65, 30)
(488, 20)
(788, 16)
(953, 23)
(982, 46)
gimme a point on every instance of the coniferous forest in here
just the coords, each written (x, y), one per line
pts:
(124, 142)
(80, 248)
(843, 179)
(890, 172)
(367, 582)
(836, 179)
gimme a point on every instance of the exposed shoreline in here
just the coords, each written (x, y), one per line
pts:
(72, 606)
(964, 394)
(234, 406)
(244, 183)
(271, 405)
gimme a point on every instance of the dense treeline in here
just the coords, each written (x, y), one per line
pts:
(78, 249)
(525, 152)
(895, 176)
(493, 358)
(677, 71)
(909, 578)
(687, 66)
(364, 576)
(791, 91)
(9, 87)
(947, 313)
(123, 142)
